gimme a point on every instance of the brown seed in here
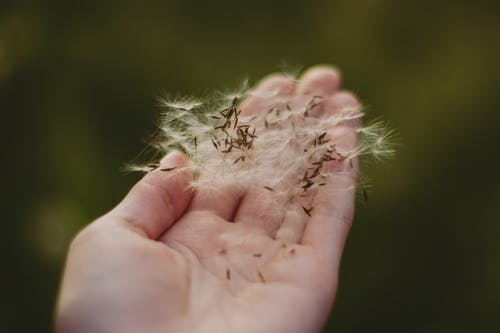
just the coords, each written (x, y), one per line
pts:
(167, 169)
(228, 149)
(292, 251)
(315, 172)
(307, 210)
(269, 188)
(307, 185)
(153, 165)
(228, 274)
(261, 277)
(215, 144)
(230, 113)
(241, 158)
(327, 157)
(257, 255)
(222, 251)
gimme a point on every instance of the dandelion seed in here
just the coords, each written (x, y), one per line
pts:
(327, 157)
(241, 158)
(289, 145)
(315, 172)
(308, 184)
(153, 165)
(311, 105)
(215, 144)
(307, 210)
(230, 113)
(235, 100)
(183, 104)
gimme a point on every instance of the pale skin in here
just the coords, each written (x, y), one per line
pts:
(172, 259)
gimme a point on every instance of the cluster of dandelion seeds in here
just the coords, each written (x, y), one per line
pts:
(286, 150)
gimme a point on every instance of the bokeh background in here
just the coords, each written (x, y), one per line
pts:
(78, 83)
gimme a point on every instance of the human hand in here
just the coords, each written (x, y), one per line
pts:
(170, 259)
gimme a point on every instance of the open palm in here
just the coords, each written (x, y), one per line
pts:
(170, 260)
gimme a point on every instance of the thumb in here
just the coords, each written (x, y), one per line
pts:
(159, 198)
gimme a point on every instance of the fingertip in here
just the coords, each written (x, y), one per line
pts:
(174, 159)
(159, 198)
(271, 86)
(345, 139)
(320, 80)
(343, 99)
(279, 84)
(176, 163)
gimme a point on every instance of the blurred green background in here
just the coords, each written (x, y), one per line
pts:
(78, 82)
